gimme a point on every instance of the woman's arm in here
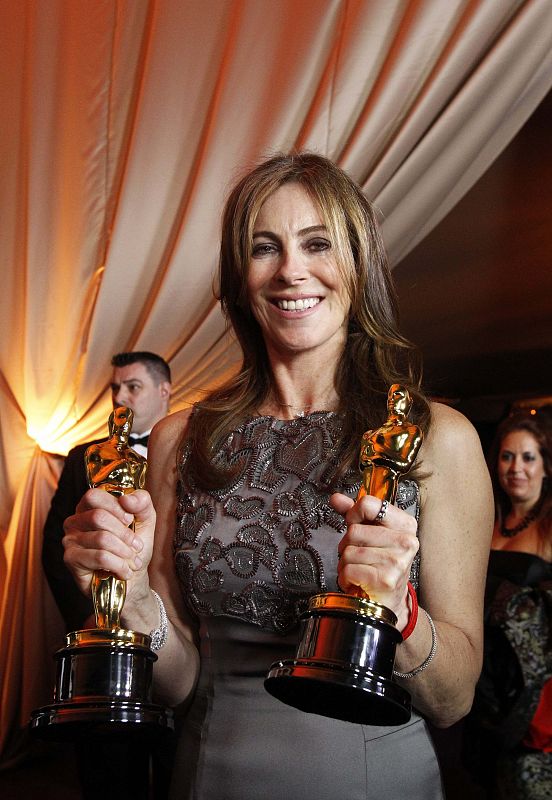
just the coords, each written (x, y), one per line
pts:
(456, 525)
(98, 537)
(176, 671)
(455, 530)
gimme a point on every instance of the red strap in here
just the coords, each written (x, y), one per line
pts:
(413, 619)
(539, 735)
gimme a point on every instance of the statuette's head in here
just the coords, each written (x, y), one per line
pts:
(398, 400)
(120, 421)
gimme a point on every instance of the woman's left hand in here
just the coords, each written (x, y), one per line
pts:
(377, 556)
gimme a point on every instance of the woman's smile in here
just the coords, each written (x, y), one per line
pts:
(296, 304)
(295, 288)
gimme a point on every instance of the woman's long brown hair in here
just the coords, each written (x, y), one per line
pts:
(375, 355)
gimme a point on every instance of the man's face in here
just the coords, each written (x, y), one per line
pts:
(133, 386)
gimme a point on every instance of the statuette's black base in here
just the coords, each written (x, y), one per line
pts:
(344, 664)
(103, 687)
(333, 691)
(67, 722)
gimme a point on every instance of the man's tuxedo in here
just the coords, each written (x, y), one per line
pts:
(74, 606)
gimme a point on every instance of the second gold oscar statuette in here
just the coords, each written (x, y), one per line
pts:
(344, 662)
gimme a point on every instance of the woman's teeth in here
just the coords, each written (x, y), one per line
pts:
(298, 305)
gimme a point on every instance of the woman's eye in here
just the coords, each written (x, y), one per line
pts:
(317, 245)
(528, 457)
(505, 457)
(263, 249)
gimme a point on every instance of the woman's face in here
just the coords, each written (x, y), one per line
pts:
(521, 467)
(295, 289)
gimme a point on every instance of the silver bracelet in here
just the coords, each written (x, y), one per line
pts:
(428, 660)
(159, 635)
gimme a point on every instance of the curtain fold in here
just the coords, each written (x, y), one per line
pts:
(30, 624)
(127, 122)
(478, 122)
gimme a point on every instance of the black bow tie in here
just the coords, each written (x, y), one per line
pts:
(134, 440)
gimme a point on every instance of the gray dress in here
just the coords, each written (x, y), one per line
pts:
(248, 558)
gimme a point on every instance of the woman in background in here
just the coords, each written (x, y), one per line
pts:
(509, 731)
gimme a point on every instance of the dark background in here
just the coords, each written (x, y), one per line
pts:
(482, 315)
(482, 284)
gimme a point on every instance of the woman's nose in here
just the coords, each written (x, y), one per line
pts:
(291, 269)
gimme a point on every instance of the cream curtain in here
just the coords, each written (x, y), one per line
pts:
(124, 124)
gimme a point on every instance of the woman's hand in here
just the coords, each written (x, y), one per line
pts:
(98, 537)
(377, 556)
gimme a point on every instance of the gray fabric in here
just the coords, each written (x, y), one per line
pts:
(240, 743)
(248, 558)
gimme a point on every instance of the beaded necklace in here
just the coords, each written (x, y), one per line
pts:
(525, 522)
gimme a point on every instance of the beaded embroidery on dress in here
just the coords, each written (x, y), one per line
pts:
(276, 534)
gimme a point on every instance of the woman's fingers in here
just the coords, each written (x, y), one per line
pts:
(140, 505)
(367, 509)
(98, 498)
(376, 555)
(84, 561)
(341, 503)
(100, 535)
(103, 533)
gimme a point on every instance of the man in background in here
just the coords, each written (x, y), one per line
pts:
(141, 381)
(120, 768)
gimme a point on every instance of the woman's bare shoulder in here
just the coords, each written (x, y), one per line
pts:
(165, 439)
(450, 428)
(170, 429)
(452, 450)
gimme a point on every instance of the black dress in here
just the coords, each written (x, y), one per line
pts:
(517, 663)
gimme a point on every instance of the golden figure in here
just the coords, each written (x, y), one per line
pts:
(389, 451)
(114, 467)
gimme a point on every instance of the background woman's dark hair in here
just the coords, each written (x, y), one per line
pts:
(375, 355)
(524, 421)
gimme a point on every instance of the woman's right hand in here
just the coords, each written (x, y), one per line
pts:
(98, 537)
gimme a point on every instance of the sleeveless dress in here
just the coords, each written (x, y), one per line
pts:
(248, 558)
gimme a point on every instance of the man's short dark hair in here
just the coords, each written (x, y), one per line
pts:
(155, 365)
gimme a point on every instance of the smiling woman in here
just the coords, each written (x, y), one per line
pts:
(298, 228)
(509, 731)
(255, 495)
(522, 466)
(296, 292)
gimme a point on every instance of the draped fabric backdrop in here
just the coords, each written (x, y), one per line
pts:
(124, 124)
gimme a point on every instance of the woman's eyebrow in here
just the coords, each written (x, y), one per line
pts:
(312, 229)
(301, 232)
(266, 234)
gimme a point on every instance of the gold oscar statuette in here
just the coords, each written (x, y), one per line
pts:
(344, 662)
(104, 674)
(114, 467)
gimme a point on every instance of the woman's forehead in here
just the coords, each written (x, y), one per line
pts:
(520, 440)
(290, 206)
